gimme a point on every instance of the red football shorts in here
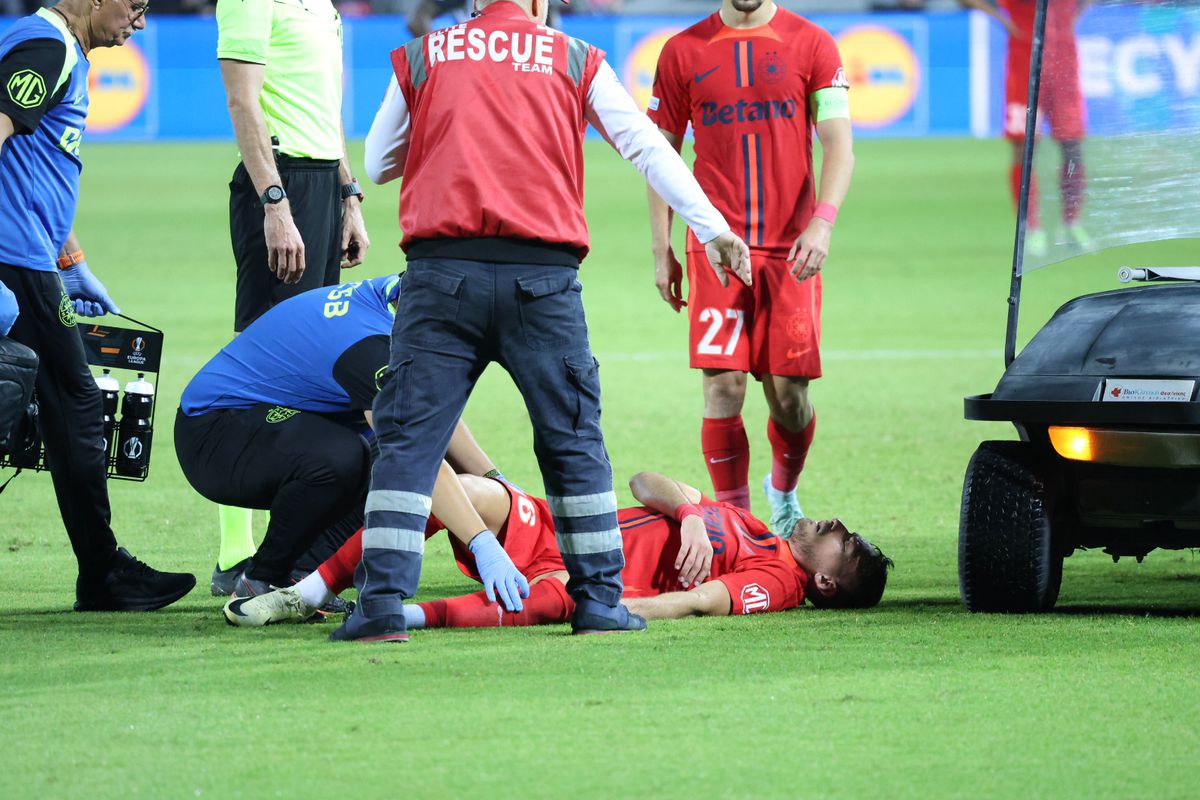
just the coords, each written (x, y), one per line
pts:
(770, 328)
(1061, 94)
(527, 537)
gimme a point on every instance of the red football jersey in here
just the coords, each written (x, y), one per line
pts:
(746, 94)
(756, 566)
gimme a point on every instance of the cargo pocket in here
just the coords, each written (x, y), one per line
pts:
(429, 301)
(551, 308)
(391, 404)
(583, 376)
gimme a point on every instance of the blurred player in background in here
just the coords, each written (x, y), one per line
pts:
(753, 79)
(43, 110)
(685, 555)
(1060, 99)
(421, 19)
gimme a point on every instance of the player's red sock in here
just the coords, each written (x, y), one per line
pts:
(788, 451)
(548, 603)
(1074, 183)
(727, 456)
(338, 570)
(1033, 217)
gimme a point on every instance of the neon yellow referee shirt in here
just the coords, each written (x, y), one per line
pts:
(300, 44)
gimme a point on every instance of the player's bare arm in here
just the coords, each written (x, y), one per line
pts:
(707, 600)
(992, 11)
(354, 230)
(454, 508)
(676, 499)
(668, 273)
(811, 248)
(243, 85)
(465, 454)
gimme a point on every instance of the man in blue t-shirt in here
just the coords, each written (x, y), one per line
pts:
(276, 420)
(43, 108)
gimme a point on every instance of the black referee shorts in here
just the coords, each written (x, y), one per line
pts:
(314, 193)
(308, 470)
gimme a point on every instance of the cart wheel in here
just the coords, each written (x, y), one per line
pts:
(1007, 560)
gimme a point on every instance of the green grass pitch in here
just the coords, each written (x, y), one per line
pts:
(913, 699)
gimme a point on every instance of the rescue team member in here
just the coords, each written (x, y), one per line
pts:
(684, 556)
(485, 121)
(275, 421)
(753, 79)
(43, 107)
(294, 214)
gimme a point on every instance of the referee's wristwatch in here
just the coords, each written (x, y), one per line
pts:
(351, 189)
(273, 194)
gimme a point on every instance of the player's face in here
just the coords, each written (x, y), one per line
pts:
(746, 6)
(116, 20)
(828, 546)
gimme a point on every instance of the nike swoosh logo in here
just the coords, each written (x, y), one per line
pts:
(699, 76)
(721, 460)
(794, 353)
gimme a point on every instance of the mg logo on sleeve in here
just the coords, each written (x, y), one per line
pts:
(26, 88)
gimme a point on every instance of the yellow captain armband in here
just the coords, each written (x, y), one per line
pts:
(832, 102)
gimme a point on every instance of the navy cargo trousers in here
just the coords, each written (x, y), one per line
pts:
(453, 318)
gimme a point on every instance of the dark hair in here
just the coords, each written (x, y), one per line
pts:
(872, 575)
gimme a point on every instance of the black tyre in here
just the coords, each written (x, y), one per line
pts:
(1007, 559)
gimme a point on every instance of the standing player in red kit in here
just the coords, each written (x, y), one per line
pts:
(685, 555)
(753, 80)
(1060, 99)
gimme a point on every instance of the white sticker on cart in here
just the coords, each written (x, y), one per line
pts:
(1147, 391)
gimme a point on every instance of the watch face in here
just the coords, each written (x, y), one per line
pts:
(274, 194)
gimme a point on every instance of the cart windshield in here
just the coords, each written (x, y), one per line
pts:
(1116, 159)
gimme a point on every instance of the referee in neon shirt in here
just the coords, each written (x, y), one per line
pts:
(294, 214)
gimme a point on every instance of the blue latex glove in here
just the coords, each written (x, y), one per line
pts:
(85, 289)
(499, 575)
(8, 310)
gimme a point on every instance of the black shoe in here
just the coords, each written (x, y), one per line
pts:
(223, 580)
(131, 585)
(358, 629)
(592, 618)
(245, 586)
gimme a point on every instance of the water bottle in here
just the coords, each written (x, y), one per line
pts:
(133, 443)
(110, 391)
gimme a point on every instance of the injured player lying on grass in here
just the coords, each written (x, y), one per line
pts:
(685, 555)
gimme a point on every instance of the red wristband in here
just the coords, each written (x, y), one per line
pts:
(826, 211)
(687, 509)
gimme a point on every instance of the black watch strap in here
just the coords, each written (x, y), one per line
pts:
(352, 189)
(273, 194)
